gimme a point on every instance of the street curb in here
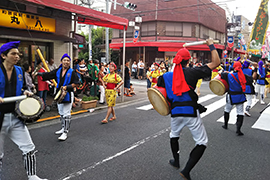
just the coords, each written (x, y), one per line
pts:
(89, 110)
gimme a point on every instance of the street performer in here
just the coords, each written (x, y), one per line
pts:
(111, 83)
(237, 86)
(155, 74)
(12, 83)
(250, 91)
(180, 85)
(66, 78)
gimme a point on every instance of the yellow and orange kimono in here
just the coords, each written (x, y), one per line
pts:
(163, 71)
(112, 79)
(215, 72)
(267, 77)
(154, 75)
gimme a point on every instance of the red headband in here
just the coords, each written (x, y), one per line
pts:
(238, 67)
(179, 84)
(156, 64)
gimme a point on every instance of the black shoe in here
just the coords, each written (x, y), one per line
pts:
(225, 127)
(174, 164)
(185, 176)
(239, 133)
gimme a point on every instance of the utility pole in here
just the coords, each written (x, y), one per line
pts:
(107, 35)
(90, 37)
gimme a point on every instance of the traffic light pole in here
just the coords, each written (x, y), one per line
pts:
(107, 35)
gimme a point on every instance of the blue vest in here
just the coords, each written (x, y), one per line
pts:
(181, 105)
(66, 82)
(235, 89)
(262, 74)
(248, 72)
(19, 85)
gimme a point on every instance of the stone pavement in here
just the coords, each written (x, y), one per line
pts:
(139, 88)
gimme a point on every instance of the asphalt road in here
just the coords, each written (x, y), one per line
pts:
(136, 147)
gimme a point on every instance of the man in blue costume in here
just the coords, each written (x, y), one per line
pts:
(12, 83)
(68, 79)
(260, 83)
(180, 85)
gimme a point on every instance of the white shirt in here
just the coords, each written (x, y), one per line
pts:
(134, 67)
(141, 64)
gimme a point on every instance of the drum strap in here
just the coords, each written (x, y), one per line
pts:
(235, 79)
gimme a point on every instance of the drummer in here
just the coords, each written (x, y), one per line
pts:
(155, 74)
(67, 78)
(237, 86)
(180, 85)
(215, 71)
(250, 91)
(11, 84)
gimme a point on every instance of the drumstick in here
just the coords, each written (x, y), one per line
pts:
(45, 64)
(13, 98)
(198, 43)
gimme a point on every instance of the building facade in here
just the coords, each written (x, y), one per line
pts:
(167, 25)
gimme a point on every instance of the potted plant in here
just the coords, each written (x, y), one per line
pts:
(89, 102)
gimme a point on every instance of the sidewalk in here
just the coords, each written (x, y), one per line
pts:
(139, 88)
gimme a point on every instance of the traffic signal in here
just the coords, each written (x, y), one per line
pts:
(129, 5)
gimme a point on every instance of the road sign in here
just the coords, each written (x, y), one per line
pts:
(136, 36)
(230, 41)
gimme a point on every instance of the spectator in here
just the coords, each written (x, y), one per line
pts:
(134, 70)
(43, 86)
(148, 77)
(51, 65)
(141, 68)
(131, 89)
(90, 66)
(101, 88)
(167, 66)
(162, 67)
(94, 75)
(83, 67)
(127, 80)
(106, 69)
(28, 79)
(76, 67)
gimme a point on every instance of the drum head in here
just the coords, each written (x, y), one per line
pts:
(29, 106)
(217, 87)
(58, 95)
(158, 101)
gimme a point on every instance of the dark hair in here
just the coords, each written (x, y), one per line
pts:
(96, 61)
(5, 53)
(26, 67)
(184, 63)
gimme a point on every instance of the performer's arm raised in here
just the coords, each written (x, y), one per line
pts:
(214, 55)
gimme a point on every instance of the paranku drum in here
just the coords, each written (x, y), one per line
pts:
(158, 98)
(29, 109)
(218, 86)
(60, 95)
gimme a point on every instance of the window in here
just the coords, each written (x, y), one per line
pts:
(174, 29)
(148, 29)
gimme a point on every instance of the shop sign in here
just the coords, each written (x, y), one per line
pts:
(14, 19)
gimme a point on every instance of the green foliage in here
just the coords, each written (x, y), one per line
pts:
(89, 98)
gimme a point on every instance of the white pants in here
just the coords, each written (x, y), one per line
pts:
(195, 126)
(18, 132)
(229, 106)
(102, 94)
(249, 99)
(64, 109)
(260, 90)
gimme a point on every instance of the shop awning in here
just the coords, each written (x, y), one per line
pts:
(86, 15)
(38, 35)
(164, 46)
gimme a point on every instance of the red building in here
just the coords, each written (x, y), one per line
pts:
(167, 25)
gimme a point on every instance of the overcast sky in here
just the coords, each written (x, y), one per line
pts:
(247, 8)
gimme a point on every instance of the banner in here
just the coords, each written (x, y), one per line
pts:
(260, 26)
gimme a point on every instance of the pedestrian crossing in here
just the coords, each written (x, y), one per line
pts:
(261, 123)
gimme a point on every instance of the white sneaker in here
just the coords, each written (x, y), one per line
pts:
(247, 113)
(35, 177)
(262, 102)
(60, 131)
(63, 137)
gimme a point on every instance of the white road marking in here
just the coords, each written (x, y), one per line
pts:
(233, 114)
(146, 107)
(263, 122)
(214, 106)
(135, 145)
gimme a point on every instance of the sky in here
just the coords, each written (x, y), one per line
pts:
(247, 8)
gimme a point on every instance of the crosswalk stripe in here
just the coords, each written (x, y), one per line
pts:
(146, 107)
(233, 114)
(263, 121)
(214, 106)
(206, 98)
